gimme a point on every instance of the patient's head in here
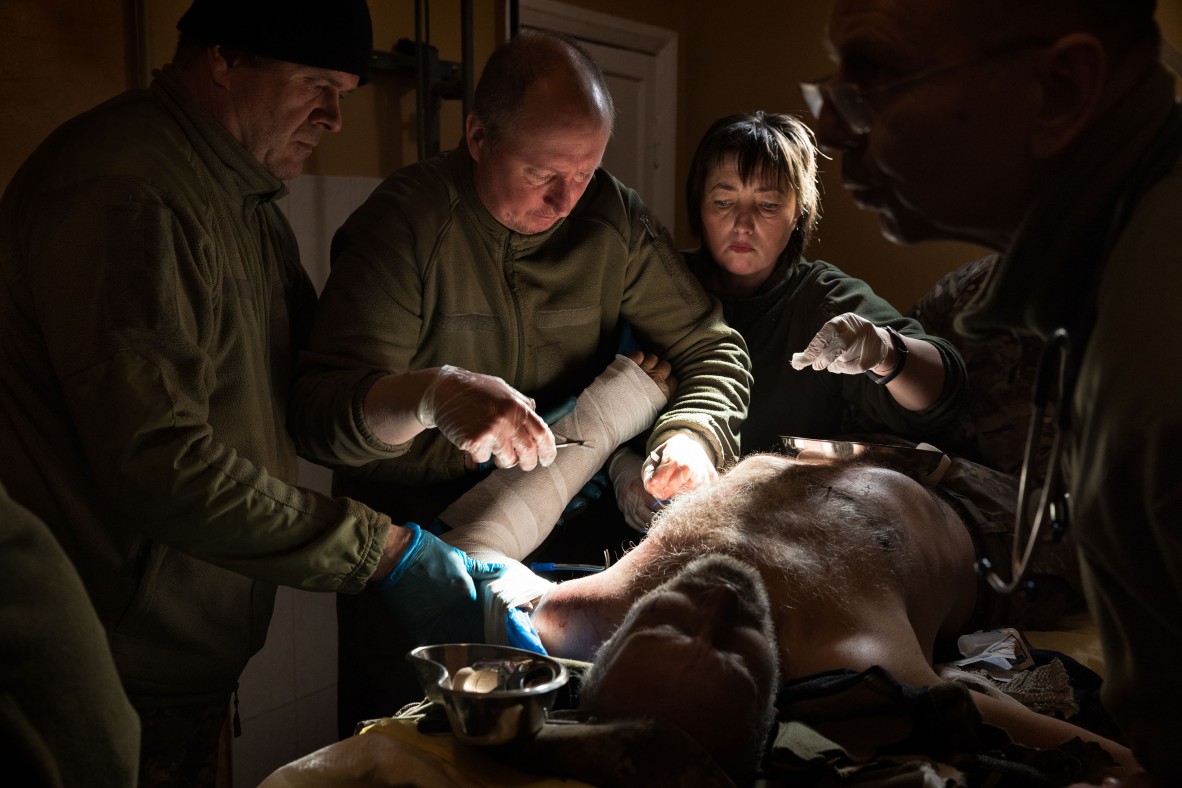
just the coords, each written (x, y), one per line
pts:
(698, 652)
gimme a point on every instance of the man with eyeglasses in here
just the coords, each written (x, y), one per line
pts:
(1050, 132)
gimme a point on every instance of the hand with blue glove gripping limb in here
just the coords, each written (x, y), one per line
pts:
(520, 632)
(432, 590)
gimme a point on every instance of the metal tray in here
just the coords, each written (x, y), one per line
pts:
(926, 462)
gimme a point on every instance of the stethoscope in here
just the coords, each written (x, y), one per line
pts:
(1056, 371)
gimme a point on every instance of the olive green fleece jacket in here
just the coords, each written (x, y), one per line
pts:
(64, 718)
(423, 275)
(151, 299)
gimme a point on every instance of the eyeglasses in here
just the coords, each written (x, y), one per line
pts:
(852, 104)
(1052, 505)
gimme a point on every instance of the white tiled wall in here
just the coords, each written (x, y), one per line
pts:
(316, 205)
(288, 693)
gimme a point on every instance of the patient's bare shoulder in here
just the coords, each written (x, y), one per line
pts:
(576, 616)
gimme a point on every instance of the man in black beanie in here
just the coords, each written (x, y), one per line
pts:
(151, 303)
(303, 55)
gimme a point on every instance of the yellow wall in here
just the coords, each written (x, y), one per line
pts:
(1169, 18)
(59, 57)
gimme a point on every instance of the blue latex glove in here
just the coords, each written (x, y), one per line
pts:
(432, 591)
(520, 632)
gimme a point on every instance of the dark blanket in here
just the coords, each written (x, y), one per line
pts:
(849, 728)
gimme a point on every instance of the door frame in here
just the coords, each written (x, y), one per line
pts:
(657, 42)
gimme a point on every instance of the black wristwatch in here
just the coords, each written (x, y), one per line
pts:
(900, 359)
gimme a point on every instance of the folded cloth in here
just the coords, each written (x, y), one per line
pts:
(850, 728)
(1042, 688)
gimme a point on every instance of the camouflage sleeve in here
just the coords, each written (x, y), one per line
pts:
(1001, 370)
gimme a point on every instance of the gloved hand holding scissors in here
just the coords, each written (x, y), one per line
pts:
(486, 417)
(680, 463)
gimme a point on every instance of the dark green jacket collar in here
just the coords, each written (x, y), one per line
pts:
(460, 164)
(222, 153)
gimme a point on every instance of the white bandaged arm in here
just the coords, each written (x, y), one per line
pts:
(512, 511)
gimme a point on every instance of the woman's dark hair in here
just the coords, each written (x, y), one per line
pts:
(762, 144)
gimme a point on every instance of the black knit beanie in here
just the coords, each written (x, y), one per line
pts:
(332, 34)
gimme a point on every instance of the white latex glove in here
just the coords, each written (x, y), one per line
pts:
(634, 501)
(848, 344)
(486, 417)
(679, 463)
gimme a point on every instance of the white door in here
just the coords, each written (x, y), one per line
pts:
(640, 64)
(630, 155)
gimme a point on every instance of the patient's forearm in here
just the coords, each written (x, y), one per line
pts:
(922, 381)
(1039, 730)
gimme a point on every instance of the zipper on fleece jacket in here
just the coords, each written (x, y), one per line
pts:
(511, 281)
(648, 226)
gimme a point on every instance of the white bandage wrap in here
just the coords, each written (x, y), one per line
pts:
(517, 587)
(513, 511)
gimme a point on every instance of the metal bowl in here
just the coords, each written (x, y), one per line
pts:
(491, 694)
